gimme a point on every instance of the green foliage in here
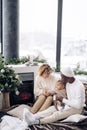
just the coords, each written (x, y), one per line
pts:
(81, 72)
(23, 60)
(17, 60)
(78, 71)
(1, 61)
(39, 60)
(12, 61)
(9, 80)
(57, 69)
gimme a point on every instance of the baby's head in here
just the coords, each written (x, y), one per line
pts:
(60, 85)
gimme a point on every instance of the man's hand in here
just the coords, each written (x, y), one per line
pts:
(60, 98)
(55, 104)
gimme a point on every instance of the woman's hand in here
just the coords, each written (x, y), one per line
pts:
(46, 93)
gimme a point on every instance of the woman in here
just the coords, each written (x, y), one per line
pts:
(44, 88)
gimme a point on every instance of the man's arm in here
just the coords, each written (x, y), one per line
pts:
(55, 101)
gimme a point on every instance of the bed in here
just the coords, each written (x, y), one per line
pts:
(81, 125)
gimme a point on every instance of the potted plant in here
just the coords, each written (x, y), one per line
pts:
(9, 80)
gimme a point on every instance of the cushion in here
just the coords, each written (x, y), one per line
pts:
(18, 111)
(75, 118)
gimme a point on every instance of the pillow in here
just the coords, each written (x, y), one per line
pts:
(18, 111)
(75, 118)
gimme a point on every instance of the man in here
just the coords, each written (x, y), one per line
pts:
(73, 104)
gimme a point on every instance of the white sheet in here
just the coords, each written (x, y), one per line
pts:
(75, 118)
(12, 123)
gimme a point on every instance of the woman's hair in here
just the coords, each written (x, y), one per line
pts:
(44, 68)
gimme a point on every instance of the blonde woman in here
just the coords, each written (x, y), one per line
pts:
(44, 88)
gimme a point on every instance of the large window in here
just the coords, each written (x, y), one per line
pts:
(38, 26)
(38, 30)
(74, 33)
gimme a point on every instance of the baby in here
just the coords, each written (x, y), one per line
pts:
(60, 91)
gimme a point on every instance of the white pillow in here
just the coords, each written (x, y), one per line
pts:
(74, 118)
(18, 111)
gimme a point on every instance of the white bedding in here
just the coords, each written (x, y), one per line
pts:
(12, 123)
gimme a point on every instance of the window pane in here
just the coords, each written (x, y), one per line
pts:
(38, 25)
(74, 33)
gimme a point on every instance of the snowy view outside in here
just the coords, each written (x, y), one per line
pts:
(38, 23)
(38, 27)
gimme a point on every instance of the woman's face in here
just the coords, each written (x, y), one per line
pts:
(46, 74)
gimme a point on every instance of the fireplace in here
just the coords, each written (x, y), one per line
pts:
(26, 94)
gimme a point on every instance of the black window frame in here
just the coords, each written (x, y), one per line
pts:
(1, 26)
